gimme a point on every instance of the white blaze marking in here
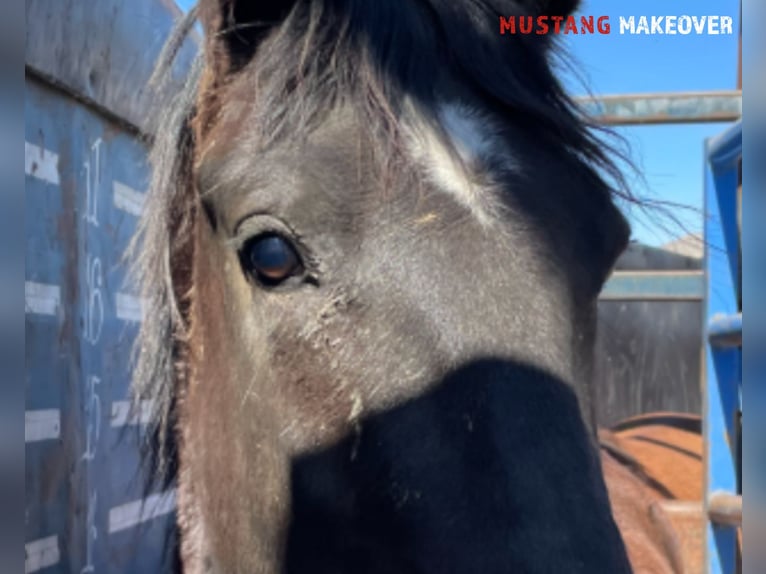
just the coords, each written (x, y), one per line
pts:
(41, 299)
(41, 163)
(133, 513)
(128, 199)
(128, 307)
(41, 554)
(468, 133)
(42, 425)
(458, 165)
(122, 415)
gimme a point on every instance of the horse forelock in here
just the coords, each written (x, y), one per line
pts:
(375, 56)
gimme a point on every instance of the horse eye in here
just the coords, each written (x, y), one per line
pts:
(271, 259)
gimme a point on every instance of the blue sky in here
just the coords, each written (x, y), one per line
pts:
(669, 156)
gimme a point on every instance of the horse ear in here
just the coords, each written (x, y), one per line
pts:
(235, 28)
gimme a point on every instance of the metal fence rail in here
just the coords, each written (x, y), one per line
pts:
(668, 108)
(652, 285)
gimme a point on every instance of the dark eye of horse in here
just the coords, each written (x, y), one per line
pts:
(271, 259)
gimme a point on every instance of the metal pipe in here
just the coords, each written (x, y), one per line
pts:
(725, 331)
(664, 108)
(725, 508)
(654, 286)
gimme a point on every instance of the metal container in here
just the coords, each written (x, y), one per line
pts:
(86, 104)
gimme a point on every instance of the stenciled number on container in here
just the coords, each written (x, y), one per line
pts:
(92, 328)
(93, 414)
(92, 182)
(94, 304)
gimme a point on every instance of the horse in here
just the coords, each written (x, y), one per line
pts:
(653, 467)
(370, 257)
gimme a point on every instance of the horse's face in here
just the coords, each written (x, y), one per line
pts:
(379, 329)
(332, 292)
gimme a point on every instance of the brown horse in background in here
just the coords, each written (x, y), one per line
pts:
(654, 473)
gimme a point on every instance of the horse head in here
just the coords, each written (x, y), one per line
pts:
(372, 253)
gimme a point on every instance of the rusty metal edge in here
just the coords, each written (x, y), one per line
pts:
(602, 108)
(32, 73)
(109, 66)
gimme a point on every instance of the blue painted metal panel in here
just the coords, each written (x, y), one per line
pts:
(723, 360)
(86, 93)
(53, 374)
(724, 153)
(85, 182)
